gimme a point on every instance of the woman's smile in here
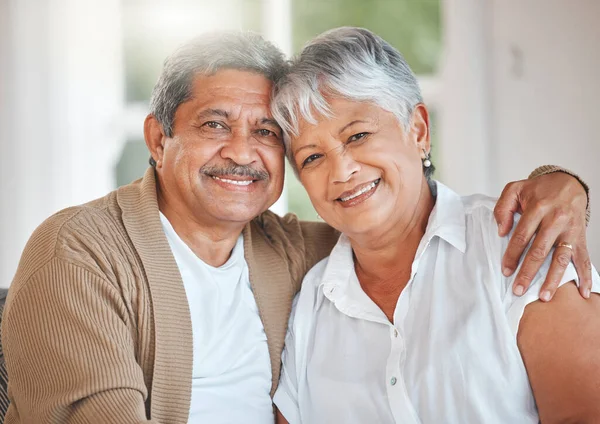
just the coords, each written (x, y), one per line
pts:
(358, 194)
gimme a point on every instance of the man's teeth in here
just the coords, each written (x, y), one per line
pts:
(235, 182)
(359, 192)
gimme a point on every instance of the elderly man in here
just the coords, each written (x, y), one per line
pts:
(167, 300)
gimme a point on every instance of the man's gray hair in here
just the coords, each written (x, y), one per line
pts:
(353, 63)
(206, 55)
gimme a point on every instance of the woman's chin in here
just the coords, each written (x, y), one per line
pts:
(370, 222)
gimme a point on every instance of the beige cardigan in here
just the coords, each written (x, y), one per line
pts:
(97, 326)
(97, 329)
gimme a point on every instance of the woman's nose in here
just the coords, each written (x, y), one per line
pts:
(343, 166)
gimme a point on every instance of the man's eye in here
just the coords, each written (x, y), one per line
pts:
(358, 136)
(310, 159)
(214, 125)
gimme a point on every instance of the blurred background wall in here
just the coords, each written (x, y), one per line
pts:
(512, 84)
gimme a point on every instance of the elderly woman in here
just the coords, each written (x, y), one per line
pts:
(410, 319)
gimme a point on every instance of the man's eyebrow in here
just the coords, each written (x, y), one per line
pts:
(207, 113)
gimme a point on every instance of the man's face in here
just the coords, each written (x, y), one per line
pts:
(225, 161)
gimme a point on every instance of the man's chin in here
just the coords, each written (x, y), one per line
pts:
(237, 214)
(235, 207)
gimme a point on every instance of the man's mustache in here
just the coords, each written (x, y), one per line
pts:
(235, 169)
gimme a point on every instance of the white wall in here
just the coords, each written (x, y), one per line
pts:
(62, 88)
(464, 100)
(540, 100)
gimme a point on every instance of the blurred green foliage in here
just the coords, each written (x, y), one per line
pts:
(133, 162)
(298, 201)
(412, 26)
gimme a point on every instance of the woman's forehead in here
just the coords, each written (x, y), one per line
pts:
(343, 113)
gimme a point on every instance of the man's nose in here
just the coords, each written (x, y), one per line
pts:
(240, 148)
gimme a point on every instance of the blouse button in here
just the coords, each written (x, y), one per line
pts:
(393, 381)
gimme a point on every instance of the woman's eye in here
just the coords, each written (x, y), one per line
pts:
(310, 159)
(266, 133)
(214, 125)
(358, 136)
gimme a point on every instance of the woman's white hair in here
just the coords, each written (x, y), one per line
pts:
(352, 63)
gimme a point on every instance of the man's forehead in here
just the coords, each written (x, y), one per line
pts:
(234, 93)
(233, 82)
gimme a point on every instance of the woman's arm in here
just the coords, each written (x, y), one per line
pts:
(560, 345)
(280, 418)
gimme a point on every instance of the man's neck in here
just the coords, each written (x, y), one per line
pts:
(211, 242)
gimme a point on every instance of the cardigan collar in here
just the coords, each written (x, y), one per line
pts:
(173, 343)
(173, 359)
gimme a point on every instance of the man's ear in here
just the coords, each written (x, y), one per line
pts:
(154, 136)
(419, 127)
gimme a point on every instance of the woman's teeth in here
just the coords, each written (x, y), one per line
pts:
(236, 182)
(361, 191)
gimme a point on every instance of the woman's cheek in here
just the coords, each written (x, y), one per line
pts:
(317, 192)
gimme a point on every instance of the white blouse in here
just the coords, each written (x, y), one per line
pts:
(451, 354)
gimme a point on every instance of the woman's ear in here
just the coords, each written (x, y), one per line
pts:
(419, 127)
(154, 136)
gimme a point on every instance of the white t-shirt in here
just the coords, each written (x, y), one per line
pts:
(451, 355)
(232, 371)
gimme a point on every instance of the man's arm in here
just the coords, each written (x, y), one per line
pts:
(69, 349)
(560, 345)
(553, 205)
(550, 169)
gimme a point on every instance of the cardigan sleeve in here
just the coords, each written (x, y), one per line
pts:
(549, 169)
(70, 350)
(319, 239)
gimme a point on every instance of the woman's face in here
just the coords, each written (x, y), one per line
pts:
(362, 170)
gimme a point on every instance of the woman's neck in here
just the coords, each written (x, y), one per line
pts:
(383, 265)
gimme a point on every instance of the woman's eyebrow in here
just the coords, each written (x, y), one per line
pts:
(304, 147)
(356, 121)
